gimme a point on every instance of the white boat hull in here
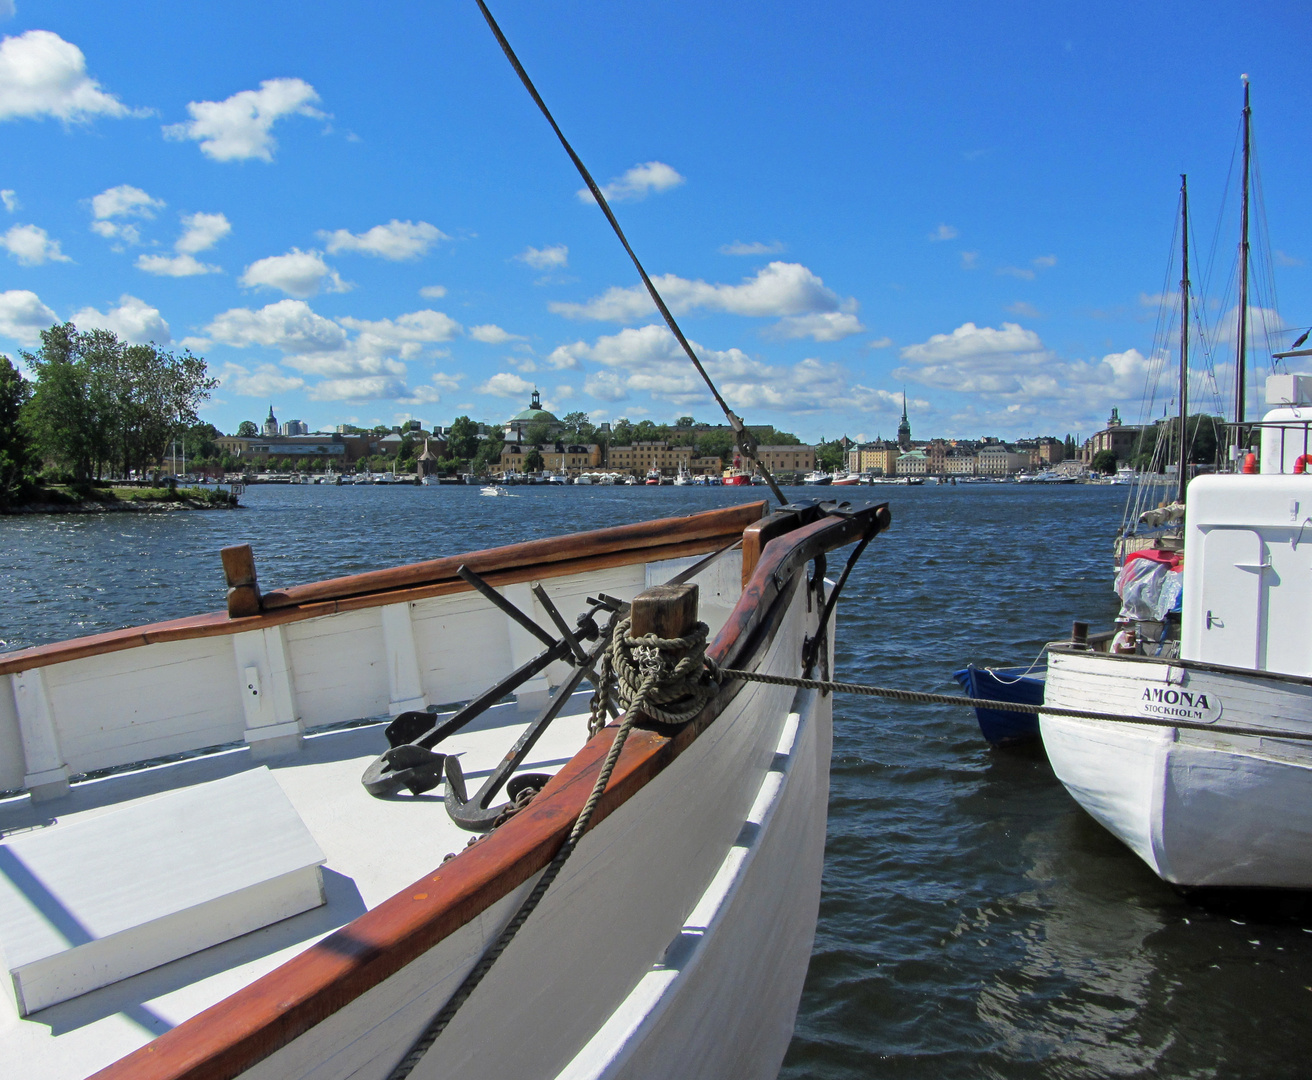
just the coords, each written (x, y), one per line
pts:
(1201, 808)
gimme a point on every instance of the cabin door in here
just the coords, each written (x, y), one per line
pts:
(1235, 562)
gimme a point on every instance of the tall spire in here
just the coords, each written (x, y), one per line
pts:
(904, 428)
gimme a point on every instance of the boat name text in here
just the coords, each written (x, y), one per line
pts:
(1173, 704)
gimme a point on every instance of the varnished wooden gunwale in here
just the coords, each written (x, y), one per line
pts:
(559, 557)
(243, 1029)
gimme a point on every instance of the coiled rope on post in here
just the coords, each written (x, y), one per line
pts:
(919, 697)
(663, 679)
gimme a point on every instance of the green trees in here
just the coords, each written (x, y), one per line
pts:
(247, 429)
(533, 461)
(14, 394)
(489, 452)
(830, 456)
(462, 438)
(101, 404)
(537, 433)
(1104, 461)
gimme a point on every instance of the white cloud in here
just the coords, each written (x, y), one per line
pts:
(366, 366)
(780, 289)
(124, 201)
(880, 343)
(1045, 262)
(264, 382)
(822, 326)
(564, 392)
(240, 127)
(10, 198)
(31, 245)
(396, 241)
(1016, 272)
(492, 335)
(433, 292)
(1281, 258)
(175, 266)
(648, 360)
(504, 384)
(1011, 368)
(201, 232)
(639, 182)
(549, 258)
(757, 247)
(298, 273)
(23, 316)
(969, 260)
(1023, 310)
(943, 232)
(289, 326)
(7, 9)
(133, 320)
(42, 75)
(1152, 300)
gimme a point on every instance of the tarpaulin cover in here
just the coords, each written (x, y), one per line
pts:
(1149, 586)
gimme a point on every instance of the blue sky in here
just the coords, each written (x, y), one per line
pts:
(356, 214)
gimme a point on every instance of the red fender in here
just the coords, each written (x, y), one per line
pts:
(1302, 462)
(1250, 463)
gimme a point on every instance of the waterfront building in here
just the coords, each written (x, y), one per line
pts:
(913, 463)
(304, 451)
(294, 427)
(960, 463)
(1120, 438)
(999, 459)
(783, 459)
(515, 428)
(641, 458)
(567, 458)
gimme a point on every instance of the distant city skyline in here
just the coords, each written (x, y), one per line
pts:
(837, 202)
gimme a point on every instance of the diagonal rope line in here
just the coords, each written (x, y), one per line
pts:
(919, 697)
(742, 435)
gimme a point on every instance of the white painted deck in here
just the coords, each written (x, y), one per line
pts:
(693, 852)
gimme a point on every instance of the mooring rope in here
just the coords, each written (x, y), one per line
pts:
(919, 697)
(653, 677)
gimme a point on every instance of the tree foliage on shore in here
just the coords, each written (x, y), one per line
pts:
(15, 391)
(100, 405)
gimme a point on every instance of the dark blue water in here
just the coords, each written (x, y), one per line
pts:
(975, 922)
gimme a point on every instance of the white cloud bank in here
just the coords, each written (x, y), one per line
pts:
(786, 291)
(133, 320)
(1011, 370)
(23, 316)
(240, 128)
(43, 75)
(200, 232)
(639, 182)
(647, 360)
(396, 241)
(30, 245)
(354, 359)
(123, 201)
(298, 273)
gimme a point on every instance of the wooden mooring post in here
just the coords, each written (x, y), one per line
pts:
(243, 589)
(668, 611)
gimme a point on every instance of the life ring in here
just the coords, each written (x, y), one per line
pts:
(1302, 462)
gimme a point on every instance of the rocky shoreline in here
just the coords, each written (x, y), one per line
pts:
(135, 507)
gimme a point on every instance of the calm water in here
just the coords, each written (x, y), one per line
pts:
(975, 922)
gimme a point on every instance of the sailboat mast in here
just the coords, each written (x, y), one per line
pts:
(1241, 344)
(1181, 477)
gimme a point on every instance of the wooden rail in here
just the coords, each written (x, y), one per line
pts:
(243, 1029)
(623, 545)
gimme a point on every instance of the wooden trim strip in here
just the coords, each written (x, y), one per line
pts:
(575, 559)
(530, 553)
(236, 1033)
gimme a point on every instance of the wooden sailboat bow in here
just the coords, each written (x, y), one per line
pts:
(746, 442)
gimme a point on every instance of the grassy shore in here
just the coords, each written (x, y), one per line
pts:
(65, 499)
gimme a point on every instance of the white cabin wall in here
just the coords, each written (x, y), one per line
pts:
(11, 743)
(144, 703)
(1248, 565)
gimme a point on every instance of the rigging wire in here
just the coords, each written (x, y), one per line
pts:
(743, 437)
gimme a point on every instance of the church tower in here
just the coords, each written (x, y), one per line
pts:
(270, 424)
(904, 428)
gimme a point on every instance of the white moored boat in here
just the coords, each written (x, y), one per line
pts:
(226, 899)
(1207, 807)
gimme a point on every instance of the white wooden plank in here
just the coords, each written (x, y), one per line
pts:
(88, 903)
(11, 740)
(404, 685)
(339, 667)
(268, 691)
(46, 773)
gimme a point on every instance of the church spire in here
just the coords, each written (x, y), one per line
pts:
(904, 428)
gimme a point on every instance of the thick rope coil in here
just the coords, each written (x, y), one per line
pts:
(652, 684)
